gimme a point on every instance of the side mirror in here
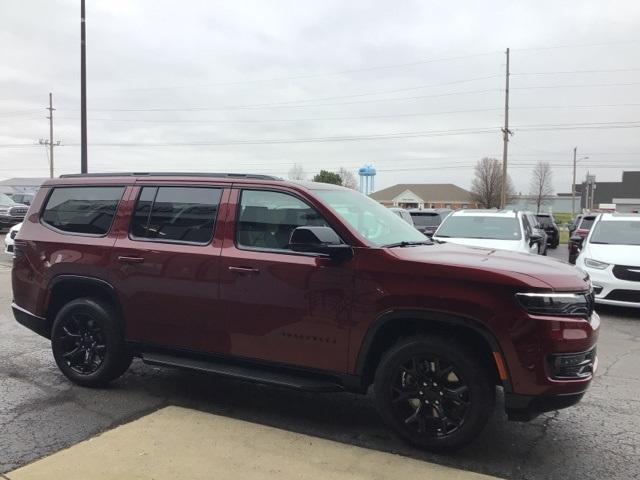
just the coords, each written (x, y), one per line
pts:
(323, 240)
(534, 238)
(576, 242)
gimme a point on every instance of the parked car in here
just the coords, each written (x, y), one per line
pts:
(308, 286)
(427, 220)
(536, 229)
(579, 234)
(549, 225)
(611, 256)
(496, 229)
(11, 213)
(10, 237)
(403, 214)
(22, 198)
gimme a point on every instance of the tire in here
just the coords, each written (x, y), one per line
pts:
(465, 404)
(88, 345)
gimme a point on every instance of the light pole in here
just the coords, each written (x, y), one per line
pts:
(83, 91)
(573, 184)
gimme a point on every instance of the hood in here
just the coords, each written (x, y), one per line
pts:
(499, 266)
(628, 255)
(513, 245)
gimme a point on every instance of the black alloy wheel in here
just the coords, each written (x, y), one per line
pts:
(429, 396)
(435, 392)
(82, 342)
(87, 339)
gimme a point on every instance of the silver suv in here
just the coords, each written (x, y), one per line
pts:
(11, 213)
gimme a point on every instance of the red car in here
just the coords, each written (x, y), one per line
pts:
(300, 285)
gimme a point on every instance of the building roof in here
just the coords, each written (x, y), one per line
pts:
(431, 192)
(22, 182)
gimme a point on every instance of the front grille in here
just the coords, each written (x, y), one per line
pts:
(624, 295)
(624, 272)
(573, 365)
(18, 212)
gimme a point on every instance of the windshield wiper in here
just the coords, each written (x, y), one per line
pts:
(408, 244)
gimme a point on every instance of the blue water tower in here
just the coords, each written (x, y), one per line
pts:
(367, 176)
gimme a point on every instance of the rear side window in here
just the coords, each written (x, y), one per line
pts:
(85, 210)
(176, 214)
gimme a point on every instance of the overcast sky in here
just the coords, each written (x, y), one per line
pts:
(415, 88)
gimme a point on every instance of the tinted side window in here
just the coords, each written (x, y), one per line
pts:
(88, 210)
(266, 219)
(176, 214)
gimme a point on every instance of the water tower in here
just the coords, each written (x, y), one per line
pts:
(367, 176)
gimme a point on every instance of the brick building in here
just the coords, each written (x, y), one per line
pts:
(425, 195)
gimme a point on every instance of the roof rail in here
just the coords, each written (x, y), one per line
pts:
(172, 174)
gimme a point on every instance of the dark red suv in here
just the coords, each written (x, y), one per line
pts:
(301, 285)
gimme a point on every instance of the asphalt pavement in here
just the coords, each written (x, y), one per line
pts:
(42, 413)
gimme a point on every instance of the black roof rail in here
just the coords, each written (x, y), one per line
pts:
(172, 174)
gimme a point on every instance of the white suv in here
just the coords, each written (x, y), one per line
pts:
(498, 229)
(611, 256)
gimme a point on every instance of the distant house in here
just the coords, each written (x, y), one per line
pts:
(425, 195)
(20, 185)
(625, 194)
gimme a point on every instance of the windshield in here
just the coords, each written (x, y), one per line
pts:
(617, 232)
(6, 201)
(376, 223)
(495, 228)
(586, 223)
(425, 219)
(545, 220)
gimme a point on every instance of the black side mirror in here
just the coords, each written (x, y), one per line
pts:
(323, 240)
(534, 238)
(576, 241)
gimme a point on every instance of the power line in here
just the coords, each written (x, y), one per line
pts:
(563, 72)
(285, 104)
(329, 74)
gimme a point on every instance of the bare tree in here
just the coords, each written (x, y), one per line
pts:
(297, 172)
(487, 183)
(348, 178)
(541, 188)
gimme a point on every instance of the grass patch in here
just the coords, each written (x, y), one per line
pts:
(564, 237)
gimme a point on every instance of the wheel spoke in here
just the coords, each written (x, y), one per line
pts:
(72, 353)
(456, 394)
(68, 333)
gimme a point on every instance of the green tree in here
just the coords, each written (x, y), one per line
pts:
(328, 177)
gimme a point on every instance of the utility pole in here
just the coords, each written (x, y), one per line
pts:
(573, 185)
(83, 91)
(50, 143)
(50, 117)
(505, 138)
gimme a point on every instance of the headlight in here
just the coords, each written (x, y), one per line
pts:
(573, 304)
(591, 263)
(4, 211)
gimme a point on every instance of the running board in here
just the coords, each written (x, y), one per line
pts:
(270, 377)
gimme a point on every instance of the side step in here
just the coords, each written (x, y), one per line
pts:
(270, 377)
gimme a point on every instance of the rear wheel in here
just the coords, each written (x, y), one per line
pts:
(434, 392)
(88, 343)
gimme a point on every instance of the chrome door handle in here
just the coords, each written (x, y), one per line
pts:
(126, 259)
(243, 269)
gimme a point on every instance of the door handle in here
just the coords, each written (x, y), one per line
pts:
(243, 269)
(126, 259)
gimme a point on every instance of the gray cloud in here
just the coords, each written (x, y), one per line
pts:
(236, 60)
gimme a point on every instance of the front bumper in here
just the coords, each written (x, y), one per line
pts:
(522, 408)
(605, 282)
(8, 222)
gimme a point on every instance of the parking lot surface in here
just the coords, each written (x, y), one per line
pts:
(42, 413)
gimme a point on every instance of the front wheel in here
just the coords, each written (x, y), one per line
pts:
(434, 392)
(88, 343)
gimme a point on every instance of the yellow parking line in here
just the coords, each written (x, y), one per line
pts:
(177, 443)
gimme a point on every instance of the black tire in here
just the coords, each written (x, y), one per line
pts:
(88, 343)
(459, 407)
